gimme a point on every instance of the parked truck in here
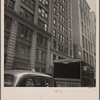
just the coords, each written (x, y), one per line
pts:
(73, 73)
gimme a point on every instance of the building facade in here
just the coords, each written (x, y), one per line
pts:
(35, 32)
(82, 32)
(93, 21)
(61, 29)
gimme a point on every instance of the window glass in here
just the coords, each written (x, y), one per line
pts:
(7, 23)
(49, 82)
(30, 3)
(34, 82)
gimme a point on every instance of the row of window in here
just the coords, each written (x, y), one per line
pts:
(87, 58)
(62, 39)
(43, 25)
(87, 45)
(63, 2)
(55, 33)
(30, 3)
(26, 14)
(63, 49)
(62, 29)
(84, 6)
(62, 9)
(41, 40)
(42, 12)
(86, 31)
(85, 18)
(44, 2)
(24, 32)
(62, 19)
(10, 4)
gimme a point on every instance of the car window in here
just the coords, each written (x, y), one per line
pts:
(34, 82)
(49, 82)
(8, 79)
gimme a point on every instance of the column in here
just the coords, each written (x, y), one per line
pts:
(33, 51)
(48, 57)
(11, 45)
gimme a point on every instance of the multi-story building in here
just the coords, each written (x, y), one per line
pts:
(82, 32)
(93, 21)
(61, 27)
(37, 31)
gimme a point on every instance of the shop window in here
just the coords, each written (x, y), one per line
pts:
(22, 50)
(42, 70)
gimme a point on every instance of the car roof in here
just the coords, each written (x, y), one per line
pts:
(23, 72)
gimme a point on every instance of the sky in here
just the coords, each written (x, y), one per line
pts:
(92, 4)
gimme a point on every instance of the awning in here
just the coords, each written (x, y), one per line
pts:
(66, 61)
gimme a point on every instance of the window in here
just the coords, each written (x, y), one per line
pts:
(61, 48)
(22, 50)
(55, 21)
(7, 23)
(42, 24)
(42, 70)
(54, 33)
(44, 2)
(41, 40)
(69, 8)
(70, 52)
(24, 32)
(82, 27)
(11, 4)
(42, 12)
(69, 16)
(26, 14)
(54, 57)
(60, 17)
(55, 10)
(30, 3)
(60, 27)
(66, 51)
(60, 57)
(83, 42)
(54, 44)
(41, 55)
(69, 24)
(83, 55)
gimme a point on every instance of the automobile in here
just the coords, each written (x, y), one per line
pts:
(27, 78)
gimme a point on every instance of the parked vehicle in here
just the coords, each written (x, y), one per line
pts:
(73, 73)
(27, 78)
